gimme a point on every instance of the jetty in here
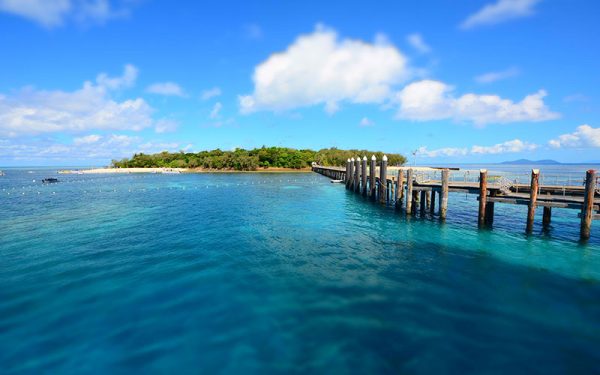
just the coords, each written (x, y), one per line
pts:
(415, 190)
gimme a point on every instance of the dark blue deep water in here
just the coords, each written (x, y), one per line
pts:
(282, 273)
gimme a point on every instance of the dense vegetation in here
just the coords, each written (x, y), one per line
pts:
(248, 160)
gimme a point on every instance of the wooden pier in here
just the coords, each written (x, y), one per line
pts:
(418, 195)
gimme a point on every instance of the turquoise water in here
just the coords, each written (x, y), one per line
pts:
(282, 273)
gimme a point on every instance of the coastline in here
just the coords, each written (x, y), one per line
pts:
(177, 170)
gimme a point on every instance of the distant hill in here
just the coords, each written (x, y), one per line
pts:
(529, 162)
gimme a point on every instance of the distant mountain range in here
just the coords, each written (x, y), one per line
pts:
(530, 162)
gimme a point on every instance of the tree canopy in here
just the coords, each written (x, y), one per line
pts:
(249, 160)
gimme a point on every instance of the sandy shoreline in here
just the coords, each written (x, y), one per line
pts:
(176, 170)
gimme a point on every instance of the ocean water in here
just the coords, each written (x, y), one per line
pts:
(282, 273)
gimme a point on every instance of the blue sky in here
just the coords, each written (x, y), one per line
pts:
(86, 81)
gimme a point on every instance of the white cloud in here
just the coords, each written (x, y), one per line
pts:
(52, 13)
(516, 145)
(584, 136)
(500, 11)
(446, 151)
(366, 122)
(497, 76)
(165, 126)
(107, 147)
(165, 88)
(320, 68)
(210, 93)
(417, 42)
(88, 139)
(116, 83)
(32, 111)
(214, 113)
(432, 100)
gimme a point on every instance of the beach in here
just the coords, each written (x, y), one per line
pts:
(177, 170)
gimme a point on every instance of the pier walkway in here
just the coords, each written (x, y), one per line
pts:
(416, 189)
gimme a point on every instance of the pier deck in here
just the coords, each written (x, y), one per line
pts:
(415, 189)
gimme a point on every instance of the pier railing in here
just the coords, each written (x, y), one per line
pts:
(414, 190)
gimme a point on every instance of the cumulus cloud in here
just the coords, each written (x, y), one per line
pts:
(366, 122)
(584, 136)
(165, 88)
(515, 145)
(165, 126)
(500, 11)
(210, 93)
(432, 100)
(96, 147)
(31, 111)
(417, 42)
(214, 113)
(52, 13)
(321, 68)
(446, 151)
(127, 80)
(86, 140)
(497, 76)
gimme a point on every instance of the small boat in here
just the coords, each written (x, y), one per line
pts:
(1, 173)
(337, 181)
(49, 180)
(171, 171)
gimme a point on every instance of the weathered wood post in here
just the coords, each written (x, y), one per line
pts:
(352, 171)
(587, 210)
(489, 210)
(347, 178)
(432, 204)
(482, 196)
(547, 217)
(383, 179)
(535, 177)
(444, 193)
(400, 189)
(372, 182)
(409, 191)
(364, 176)
(357, 175)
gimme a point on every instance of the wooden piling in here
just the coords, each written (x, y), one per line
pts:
(364, 176)
(423, 201)
(383, 179)
(351, 185)
(357, 175)
(372, 182)
(482, 196)
(399, 189)
(444, 193)
(587, 209)
(432, 203)
(347, 176)
(427, 199)
(409, 191)
(535, 176)
(547, 217)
